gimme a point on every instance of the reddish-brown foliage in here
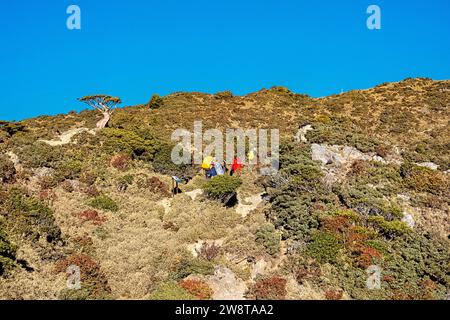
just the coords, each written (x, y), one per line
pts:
(366, 256)
(92, 191)
(47, 196)
(273, 288)
(121, 162)
(92, 216)
(208, 251)
(334, 294)
(84, 241)
(358, 167)
(337, 225)
(198, 288)
(88, 267)
(92, 277)
(157, 186)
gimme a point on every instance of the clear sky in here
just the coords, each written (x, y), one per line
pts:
(135, 48)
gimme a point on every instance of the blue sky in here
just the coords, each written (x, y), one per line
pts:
(135, 48)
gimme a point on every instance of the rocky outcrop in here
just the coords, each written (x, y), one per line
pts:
(301, 133)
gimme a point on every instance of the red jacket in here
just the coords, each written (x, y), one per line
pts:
(237, 165)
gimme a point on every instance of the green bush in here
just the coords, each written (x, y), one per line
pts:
(423, 179)
(68, 169)
(224, 95)
(367, 200)
(269, 238)
(188, 266)
(11, 128)
(341, 131)
(104, 202)
(137, 144)
(170, 290)
(163, 164)
(390, 228)
(280, 89)
(128, 179)
(156, 102)
(40, 154)
(27, 215)
(7, 253)
(220, 186)
(324, 247)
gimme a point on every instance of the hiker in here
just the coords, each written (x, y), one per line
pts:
(236, 166)
(212, 171)
(225, 167)
(206, 165)
(251, 156)
(219, 169)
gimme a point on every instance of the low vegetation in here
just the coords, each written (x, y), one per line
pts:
(102, 202)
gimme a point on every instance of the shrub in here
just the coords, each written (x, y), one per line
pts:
(269, 238)
(333, 294)
(91, 191)
(155, 102)
(93, 281)
(7, 169)
(338, 225)
(280, 89)
(389, 228)
(220, 186)
(135, 144)
(68, 169)
(124, 181)
(190, 266)
(7, 253)
(272, 288)
(88, 177)
(104, 202)
(324, 247)
(170, 290)
(11, 128)
(224, 95)
(67, 186)
(163, 164)
(155, 185)
(28, 215)
(323, 118)
(350, 214)
(91, 215)
(208, 251)
(198, 288)
(426, 180)
(40, 154)
(121, 162)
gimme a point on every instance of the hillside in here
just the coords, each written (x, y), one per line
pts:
(363, 182)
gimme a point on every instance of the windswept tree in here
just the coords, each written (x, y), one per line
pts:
(103, 103)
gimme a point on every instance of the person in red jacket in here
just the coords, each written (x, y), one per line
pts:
(236, 166)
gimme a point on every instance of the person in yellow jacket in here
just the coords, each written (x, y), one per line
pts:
(250, 156)
(206, 165)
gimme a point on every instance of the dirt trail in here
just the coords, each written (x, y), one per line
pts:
(67, 136)
(248, 205)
